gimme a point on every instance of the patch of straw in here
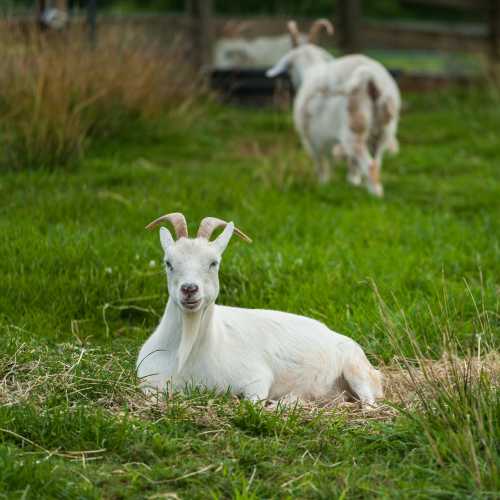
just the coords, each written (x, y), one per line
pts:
(105, 383)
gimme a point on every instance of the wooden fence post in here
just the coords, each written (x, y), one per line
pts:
(494, 29)
(348, 23)
(92, 21)
(40, 8)
(494, 39)
(201, 32)
(61, 5)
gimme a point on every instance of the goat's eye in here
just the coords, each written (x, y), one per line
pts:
(213, 264)
(169, 266)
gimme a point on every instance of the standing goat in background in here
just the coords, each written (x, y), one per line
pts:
(260, 354)
(349, 106)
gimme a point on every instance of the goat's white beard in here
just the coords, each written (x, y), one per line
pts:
(191, 323)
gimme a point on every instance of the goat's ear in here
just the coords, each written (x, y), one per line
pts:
(220, 243)
(281, 66)
(166, 239)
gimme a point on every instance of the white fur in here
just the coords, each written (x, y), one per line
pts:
(299, 61)
(323, 113)
(260, 52)
(260, 354)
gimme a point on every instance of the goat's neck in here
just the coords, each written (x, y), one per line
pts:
(302, 69)
(187, 329)
(300, 73)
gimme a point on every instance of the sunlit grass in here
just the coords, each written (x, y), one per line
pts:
(413, 278)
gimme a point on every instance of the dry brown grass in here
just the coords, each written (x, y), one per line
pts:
(101, 379)
(406, 379)
(406, 382)
(56, 92)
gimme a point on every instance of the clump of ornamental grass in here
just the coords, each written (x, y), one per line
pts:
(57, 92)
(453, 403)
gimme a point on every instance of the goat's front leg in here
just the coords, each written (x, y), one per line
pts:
(323, 169)
(393, 145)
(157, 386)
(287, 401)
(257, 390)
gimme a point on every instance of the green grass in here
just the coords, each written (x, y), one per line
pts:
(427, 62)
(81, 287)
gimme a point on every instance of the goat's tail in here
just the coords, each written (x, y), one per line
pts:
(363, 81)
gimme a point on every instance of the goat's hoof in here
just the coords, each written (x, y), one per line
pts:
(271, 405)
(394, 147)
(354, 179)
(377, 190)
(370, 405)
(338, 153)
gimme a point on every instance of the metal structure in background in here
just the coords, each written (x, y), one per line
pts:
(348, 25)
(200, 24)
(492, 10)
(356, 34)
(201, 30)
(494, 30)
(92, 21)
(41, 5)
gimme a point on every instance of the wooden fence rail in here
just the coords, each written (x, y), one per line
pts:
(200, 26)
(203, 29)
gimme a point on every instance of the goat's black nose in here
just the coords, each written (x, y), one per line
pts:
(189, 289)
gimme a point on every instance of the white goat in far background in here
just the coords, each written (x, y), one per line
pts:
(263, 51)
(260, 354)
(349, 106)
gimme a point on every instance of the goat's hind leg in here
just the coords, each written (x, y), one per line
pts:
(323, 169)
(354, 176)
(321, 165)
(353, 172)
(364, 380)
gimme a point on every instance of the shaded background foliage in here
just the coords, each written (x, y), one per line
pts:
(379, 9)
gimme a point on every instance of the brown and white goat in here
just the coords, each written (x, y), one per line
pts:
(349, 106)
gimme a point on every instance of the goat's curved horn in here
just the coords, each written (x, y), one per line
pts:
(177, 220)
(294, 33)
(316, 28)
(209, 224)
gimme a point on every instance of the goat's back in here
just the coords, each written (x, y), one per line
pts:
(323, 105)
(272, 330)
(305, 357)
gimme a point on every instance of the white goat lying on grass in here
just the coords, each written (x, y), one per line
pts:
(259, 354)
(349, 105)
